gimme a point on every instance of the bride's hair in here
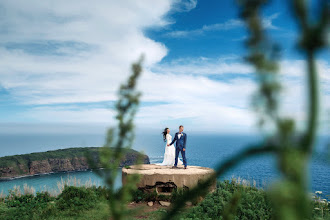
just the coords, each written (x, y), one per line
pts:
(164, 134)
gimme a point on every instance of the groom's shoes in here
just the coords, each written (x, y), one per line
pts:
(174, 167)
(185, 168)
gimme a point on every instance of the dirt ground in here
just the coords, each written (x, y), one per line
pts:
(143, 210)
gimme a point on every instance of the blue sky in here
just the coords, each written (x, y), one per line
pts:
(62, 63)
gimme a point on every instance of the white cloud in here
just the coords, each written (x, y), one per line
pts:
(184, 5)
(78, 20)
(232, 90)
(97, 45)
(207, 66)
(113, 42)
(267, 22)
(69, 114)
(228, 25)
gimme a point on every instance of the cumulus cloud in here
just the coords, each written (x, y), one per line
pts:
(89, 47)
(63, 61)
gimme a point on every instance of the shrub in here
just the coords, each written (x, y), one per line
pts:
(101, 192)
(253, 203)
(140, 196)
(320, 207)
(27, 206)
(76, 199)
(177, 193)
(30, 200)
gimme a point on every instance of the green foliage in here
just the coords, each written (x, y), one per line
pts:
(73, 203)
(118, 142)
(140, 196)
(164, 197)
(286, 199)
(23, 161)
(60, 153)
(320, 207)
(249, 203)
(3, 210)
(253, 203)
(101, 192)
(76, 199)
(12, 200)
(27, 206)
(292, 148)
(176, 194)
(289, 195)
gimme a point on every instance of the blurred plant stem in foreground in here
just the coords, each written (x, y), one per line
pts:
(117, 142)
(292, 149)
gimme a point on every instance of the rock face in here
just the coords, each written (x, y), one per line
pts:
(58, 165)
(164, 179)
(70, 159)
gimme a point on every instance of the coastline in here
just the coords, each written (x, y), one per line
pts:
(3, 179)
(58, 161)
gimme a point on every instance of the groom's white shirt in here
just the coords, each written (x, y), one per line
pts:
(179, 135)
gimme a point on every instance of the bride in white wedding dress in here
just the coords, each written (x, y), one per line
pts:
(169, 155)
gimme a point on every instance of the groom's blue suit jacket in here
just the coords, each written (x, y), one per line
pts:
(180, 142)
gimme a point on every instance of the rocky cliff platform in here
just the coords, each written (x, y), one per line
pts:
(164, 179)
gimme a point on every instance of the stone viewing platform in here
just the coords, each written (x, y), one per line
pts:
(164, 179)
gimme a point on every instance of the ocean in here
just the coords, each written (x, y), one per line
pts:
(202, 150)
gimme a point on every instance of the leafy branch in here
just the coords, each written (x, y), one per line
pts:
(291, 149)
(313, 39)
(117, 144)
(203, 188)
(292, 159)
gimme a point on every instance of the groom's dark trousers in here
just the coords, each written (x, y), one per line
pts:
(180, 145)
(183, 153)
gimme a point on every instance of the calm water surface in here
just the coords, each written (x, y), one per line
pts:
(202, 150)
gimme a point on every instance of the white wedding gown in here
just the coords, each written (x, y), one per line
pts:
(169, 156)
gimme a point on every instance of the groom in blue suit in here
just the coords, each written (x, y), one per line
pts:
(180, 138)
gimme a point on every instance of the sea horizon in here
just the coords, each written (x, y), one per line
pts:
(202, 150)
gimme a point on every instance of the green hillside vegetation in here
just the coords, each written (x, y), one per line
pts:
(24, 160)
(60, 153)
(82, 202)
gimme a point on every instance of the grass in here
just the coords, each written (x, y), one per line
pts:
(90, 202)
(99, 212)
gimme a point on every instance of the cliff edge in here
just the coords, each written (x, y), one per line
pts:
(69, 159)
